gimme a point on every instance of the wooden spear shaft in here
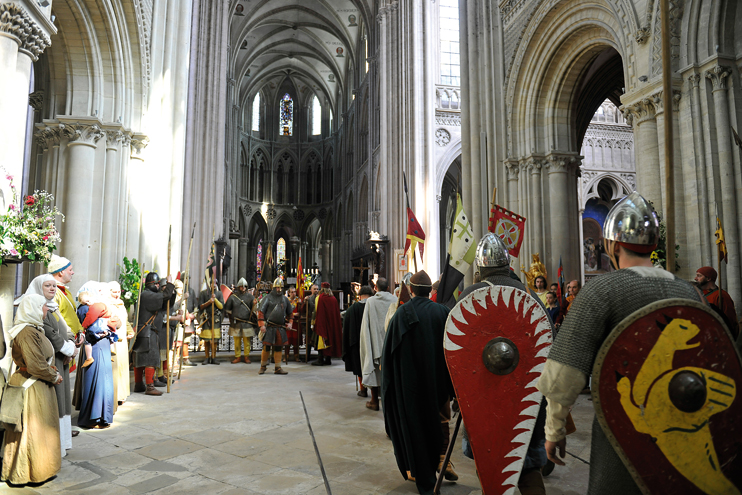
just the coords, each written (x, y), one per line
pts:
(669, 148)
(139, 298)
(213, 303)
(186, 293)
(167, 327)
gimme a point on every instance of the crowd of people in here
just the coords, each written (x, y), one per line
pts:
(391, 342)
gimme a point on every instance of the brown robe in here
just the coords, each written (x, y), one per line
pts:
(33, 455)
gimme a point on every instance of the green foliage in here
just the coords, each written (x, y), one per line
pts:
(659, 256)
(130, 280)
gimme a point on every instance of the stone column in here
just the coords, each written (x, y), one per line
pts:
(22, 40)
(294, 242)
(123, 209)
(136, 194)
(718, 76)
(512, 190)
(700, 169)
(326, 265)
(77, 237)
(536, 198)
(648, 175)
(559, 217)
(109, 235)
(242, 257)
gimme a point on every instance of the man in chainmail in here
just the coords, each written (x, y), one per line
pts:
(274, 315)
(493, 263)
(239, 309)
(631, 233)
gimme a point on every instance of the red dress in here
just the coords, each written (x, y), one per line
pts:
(328, 325)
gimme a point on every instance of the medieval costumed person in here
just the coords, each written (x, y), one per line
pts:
(183, 312)
(146, 345)
(164, 333)
(493, 263)
(631, 232)
(274, 315)
(63, 341)
(31, 447)
(416, 388)
(371, 339)
(352, 336)
(210, 305)
(61, 269)
(124, 330)
(240, 308)
(294, 331)
(97, 400)
(328, 327)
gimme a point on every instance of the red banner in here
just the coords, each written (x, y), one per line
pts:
(508, 226)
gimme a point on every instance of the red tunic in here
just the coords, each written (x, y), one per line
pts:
(328, 325)
(726, 305)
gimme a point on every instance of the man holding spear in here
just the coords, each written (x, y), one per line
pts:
(210, 305)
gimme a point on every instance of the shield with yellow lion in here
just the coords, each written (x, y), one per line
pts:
(665, 393)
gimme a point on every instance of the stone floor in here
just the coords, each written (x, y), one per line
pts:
(227, 430)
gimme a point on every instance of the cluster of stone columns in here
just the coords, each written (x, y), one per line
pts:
(705, 166)
(25, 30)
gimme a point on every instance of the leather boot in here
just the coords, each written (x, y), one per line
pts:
(320, 361)
(151, 390)
(280, 371)
(449, 474)
(213, 361)
(188, 362)
(263, 367)
(160, 382)
(139, 387)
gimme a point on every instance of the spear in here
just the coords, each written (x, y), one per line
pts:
(139, 297)
(407, 197)
(213, 302)
(167, 327)
(187, 294)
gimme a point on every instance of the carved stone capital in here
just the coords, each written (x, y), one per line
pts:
(718, 76)
(513, 169)
(83, 133)
(48, 136)
(658, 103)
(114, 138)
(642, 35)
(534, 165)
(640, 111)
(15, 21)
(138, 143)
(394, 6)
(36, 100)
(560, 164)
(694, 80)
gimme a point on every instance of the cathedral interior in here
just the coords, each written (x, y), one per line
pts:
(292, 127)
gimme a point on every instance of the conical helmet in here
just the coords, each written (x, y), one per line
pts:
(278, 282)
(491, 252)
(633, 222)
(242, 282)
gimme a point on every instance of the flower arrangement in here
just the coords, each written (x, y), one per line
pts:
(28, 231)
(130, 280)
(659, 255)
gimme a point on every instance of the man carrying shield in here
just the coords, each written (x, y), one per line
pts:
(273, 318)
(631, 233)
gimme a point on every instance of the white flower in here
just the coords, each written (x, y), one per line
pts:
(127, 295)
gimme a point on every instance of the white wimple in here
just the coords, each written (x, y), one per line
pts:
(457, 326)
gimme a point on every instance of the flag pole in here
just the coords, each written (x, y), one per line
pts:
(492, 209)
(407, 197)
(186, 294)
(167, 328)
(669, 148)
(718, 255)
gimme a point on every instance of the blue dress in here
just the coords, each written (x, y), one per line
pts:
(96, 405)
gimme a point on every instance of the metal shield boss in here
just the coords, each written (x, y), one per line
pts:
(665, 393)
(497, 340)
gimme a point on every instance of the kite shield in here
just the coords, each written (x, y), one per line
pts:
(226, 292)
(497, 340)
(665, 393)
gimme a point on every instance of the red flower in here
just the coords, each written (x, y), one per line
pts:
(30, 201)
(46, 237)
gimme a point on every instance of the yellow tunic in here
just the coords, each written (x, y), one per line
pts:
(67, 308)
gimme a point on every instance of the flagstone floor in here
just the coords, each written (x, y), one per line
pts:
(226, 430)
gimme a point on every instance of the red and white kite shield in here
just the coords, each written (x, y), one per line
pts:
(497, 340)
(665, 393)
(226, 292)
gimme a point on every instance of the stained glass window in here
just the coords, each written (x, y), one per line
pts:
(281, 250)
(260, 255)
(256, 113)
(316, 117)
(449, 23)
(287, 115)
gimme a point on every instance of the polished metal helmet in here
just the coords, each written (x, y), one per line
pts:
(242, 282)
(633, 221)
(278, 282)
(491, 252)
(406, 278)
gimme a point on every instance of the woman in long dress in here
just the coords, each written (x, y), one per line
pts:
(63, 341)
(121, 359)
(33, 455)
(97, 399)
